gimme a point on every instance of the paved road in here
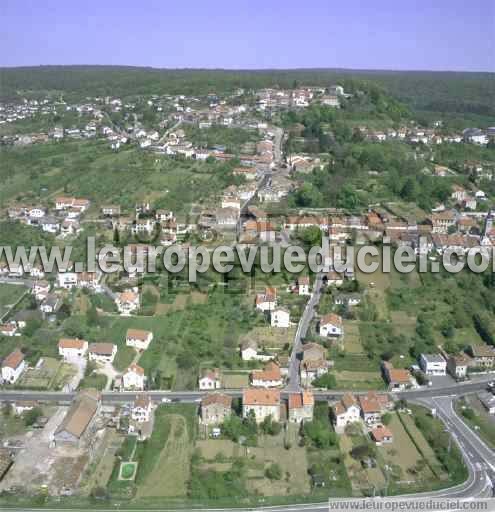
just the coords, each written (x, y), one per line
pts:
(479, 457)
(302, 329)
(195, 396)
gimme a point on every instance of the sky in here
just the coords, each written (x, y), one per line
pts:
(454, 35)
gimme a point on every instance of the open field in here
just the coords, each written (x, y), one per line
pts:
(474, 414)
(9, 295)
(270, 338)
(235, 380)
(406, 461)
(165, 458)
(352, 338)
(293, 464)
(356, 380)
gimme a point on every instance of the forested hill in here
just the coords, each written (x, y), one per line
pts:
(435, 91)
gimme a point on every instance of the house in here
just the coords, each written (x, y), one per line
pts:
(314, 362)
(133, 378)
(63, 203)
(67, 280)
(346, 412)
(372, 406)
(280, 317)
(210, 379)
(331, 325)
(77, 423)
(458, 193)
(141, 409)
(138, 339)
(22, 406)
(88, 280)
(333, 278)
(483, 355)
(488, 401)
(71, 349)
(50, 304)
(227, 217)
(310, 370)
(347, 299)
(110, 210)
(303, 285)
(49, 224)
(102, 352)
(269, 377)
(382, 435)
(261, 403)
(13, 366)
(267, 301)
(146, 226)
(457, 366)
(215, 408)
(9, 330)
(301, 406)
(397, 379)
(127, 302)
(442, 221)
(250, 352)
(433, 364)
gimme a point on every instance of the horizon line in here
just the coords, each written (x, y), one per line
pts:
(246, 70)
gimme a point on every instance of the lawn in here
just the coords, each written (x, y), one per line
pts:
(359, 380)
(164, 459)
(472, 412)
(352, 338)
(235, 380)
(9, 295)
(402, 455)
(95, 380)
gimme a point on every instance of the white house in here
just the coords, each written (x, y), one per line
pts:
(269, 377)
(267, 301)
(138, 339)
(346, 412)
(133, 378)
(303, 285)
(280, 317)
(433, 364)
(9, 329)
(250, 352)
(102, 352)
(127, 302)
(13, 366)
(67, 280)
(210, 379)
(71, 349)
(141, 409)
(331, 325)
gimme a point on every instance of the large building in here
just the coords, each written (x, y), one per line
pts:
(262, 403)
(77, 422)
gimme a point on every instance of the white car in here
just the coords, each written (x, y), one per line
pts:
(166, 400)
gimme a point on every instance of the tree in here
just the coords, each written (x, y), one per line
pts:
(30, 417)
(273, 472)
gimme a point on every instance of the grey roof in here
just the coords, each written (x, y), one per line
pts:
(433, 358)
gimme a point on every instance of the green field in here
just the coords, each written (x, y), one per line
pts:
(91, 169)
(9, 295)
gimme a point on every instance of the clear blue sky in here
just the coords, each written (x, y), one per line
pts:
(372, 34)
